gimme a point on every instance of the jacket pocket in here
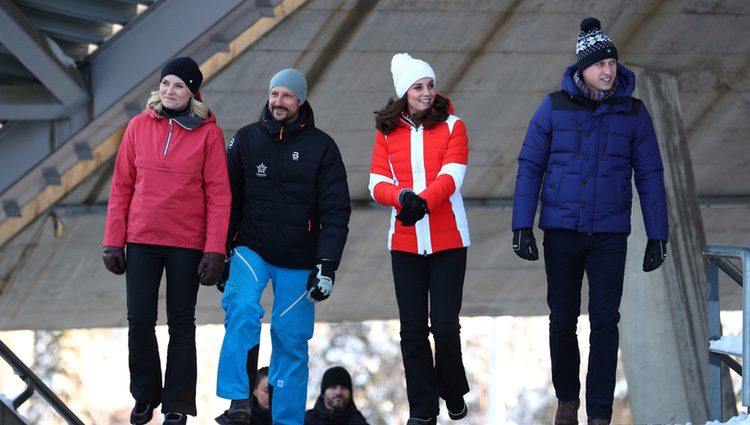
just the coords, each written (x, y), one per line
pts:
(176, 182)
(551, 186)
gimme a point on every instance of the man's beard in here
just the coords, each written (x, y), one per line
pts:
(287, 116)
(338, 403)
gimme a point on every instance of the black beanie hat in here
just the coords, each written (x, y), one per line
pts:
(336, 375)
(593, 45)
(187, 70)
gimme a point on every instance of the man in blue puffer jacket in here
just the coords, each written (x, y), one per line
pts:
(581, 148)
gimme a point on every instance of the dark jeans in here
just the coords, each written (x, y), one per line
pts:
(567, 254)
(438, 279)
(145, 264)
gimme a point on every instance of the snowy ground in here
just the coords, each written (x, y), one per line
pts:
(731, 344)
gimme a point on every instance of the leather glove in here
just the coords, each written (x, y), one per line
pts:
(320, 281)
(210, 268)
(656, 252)
(222, 283)
(413, 208)
(114, 259)
(524, 244)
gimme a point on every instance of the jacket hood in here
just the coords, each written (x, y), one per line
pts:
(625, 85)
(189, 121)
(305, 119)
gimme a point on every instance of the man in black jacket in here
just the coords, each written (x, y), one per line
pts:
(335, 405)
(289, 223)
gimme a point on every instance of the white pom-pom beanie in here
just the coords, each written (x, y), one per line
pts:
(406, 70)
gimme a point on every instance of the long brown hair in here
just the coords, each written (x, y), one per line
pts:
(386, 119)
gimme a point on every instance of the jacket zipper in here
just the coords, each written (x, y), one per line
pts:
(578, 145)
(422, 227)
(606, 139)
(169, 138)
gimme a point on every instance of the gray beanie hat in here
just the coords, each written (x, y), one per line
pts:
(291, 79)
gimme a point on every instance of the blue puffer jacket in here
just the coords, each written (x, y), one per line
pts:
(581, 154)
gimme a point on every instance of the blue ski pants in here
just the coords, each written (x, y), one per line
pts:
(292, 322)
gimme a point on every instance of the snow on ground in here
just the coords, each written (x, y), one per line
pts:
(731, 344)
(741, 419)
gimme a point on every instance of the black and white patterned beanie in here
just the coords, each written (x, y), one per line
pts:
(593, 45)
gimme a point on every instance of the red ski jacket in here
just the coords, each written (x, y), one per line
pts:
(170, 185)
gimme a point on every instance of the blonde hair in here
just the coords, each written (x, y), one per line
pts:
(196, 106)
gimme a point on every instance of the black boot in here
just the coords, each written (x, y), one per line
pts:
(457, 408)
(142, 412)
(238, 413)
(175, 419)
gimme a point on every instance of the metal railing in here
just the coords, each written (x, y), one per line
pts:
(718, 257)
(33, 383)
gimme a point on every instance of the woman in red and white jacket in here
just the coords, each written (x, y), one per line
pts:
(418, 165)
(169, 204)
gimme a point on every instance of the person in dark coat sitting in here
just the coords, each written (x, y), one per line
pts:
(335, 405)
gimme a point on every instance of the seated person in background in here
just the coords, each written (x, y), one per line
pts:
(260, 413)
(335, 405)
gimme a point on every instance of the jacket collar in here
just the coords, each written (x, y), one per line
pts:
(625, 87)
(305, 119)
(405, 121)
(188, 122)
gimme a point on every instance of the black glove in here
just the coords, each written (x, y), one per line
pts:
(114, 259)
(320, 281)
(524, 244)
(222, 283)
(656, 252)
(210, 268)
(413, 208)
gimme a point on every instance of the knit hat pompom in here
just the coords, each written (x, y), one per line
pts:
(406, 70)
(187, 70)
(336, 375)
(593, 44)
(590, 24)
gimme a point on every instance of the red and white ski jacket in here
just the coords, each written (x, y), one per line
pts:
(432, 163)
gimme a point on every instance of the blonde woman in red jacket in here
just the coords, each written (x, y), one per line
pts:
(169, 203)
(418, 164)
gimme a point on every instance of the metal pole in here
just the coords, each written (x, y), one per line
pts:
(28, 376)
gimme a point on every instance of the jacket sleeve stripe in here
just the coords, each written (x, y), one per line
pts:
(462, 222)
(457, 171)
(374, 180)
(451, 121)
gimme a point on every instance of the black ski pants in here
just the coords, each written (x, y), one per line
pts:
(430, 287)
(145, 264)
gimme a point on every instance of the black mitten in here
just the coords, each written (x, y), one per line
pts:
(210, 268)
(656, 252)
(114, 259)
(524, 244)
(413, 208)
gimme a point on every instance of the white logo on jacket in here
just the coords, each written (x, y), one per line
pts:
(261, 170)
(231, 143)
(295, 156)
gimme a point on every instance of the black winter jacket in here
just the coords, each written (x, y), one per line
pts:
(319, 415)
(290, 197)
